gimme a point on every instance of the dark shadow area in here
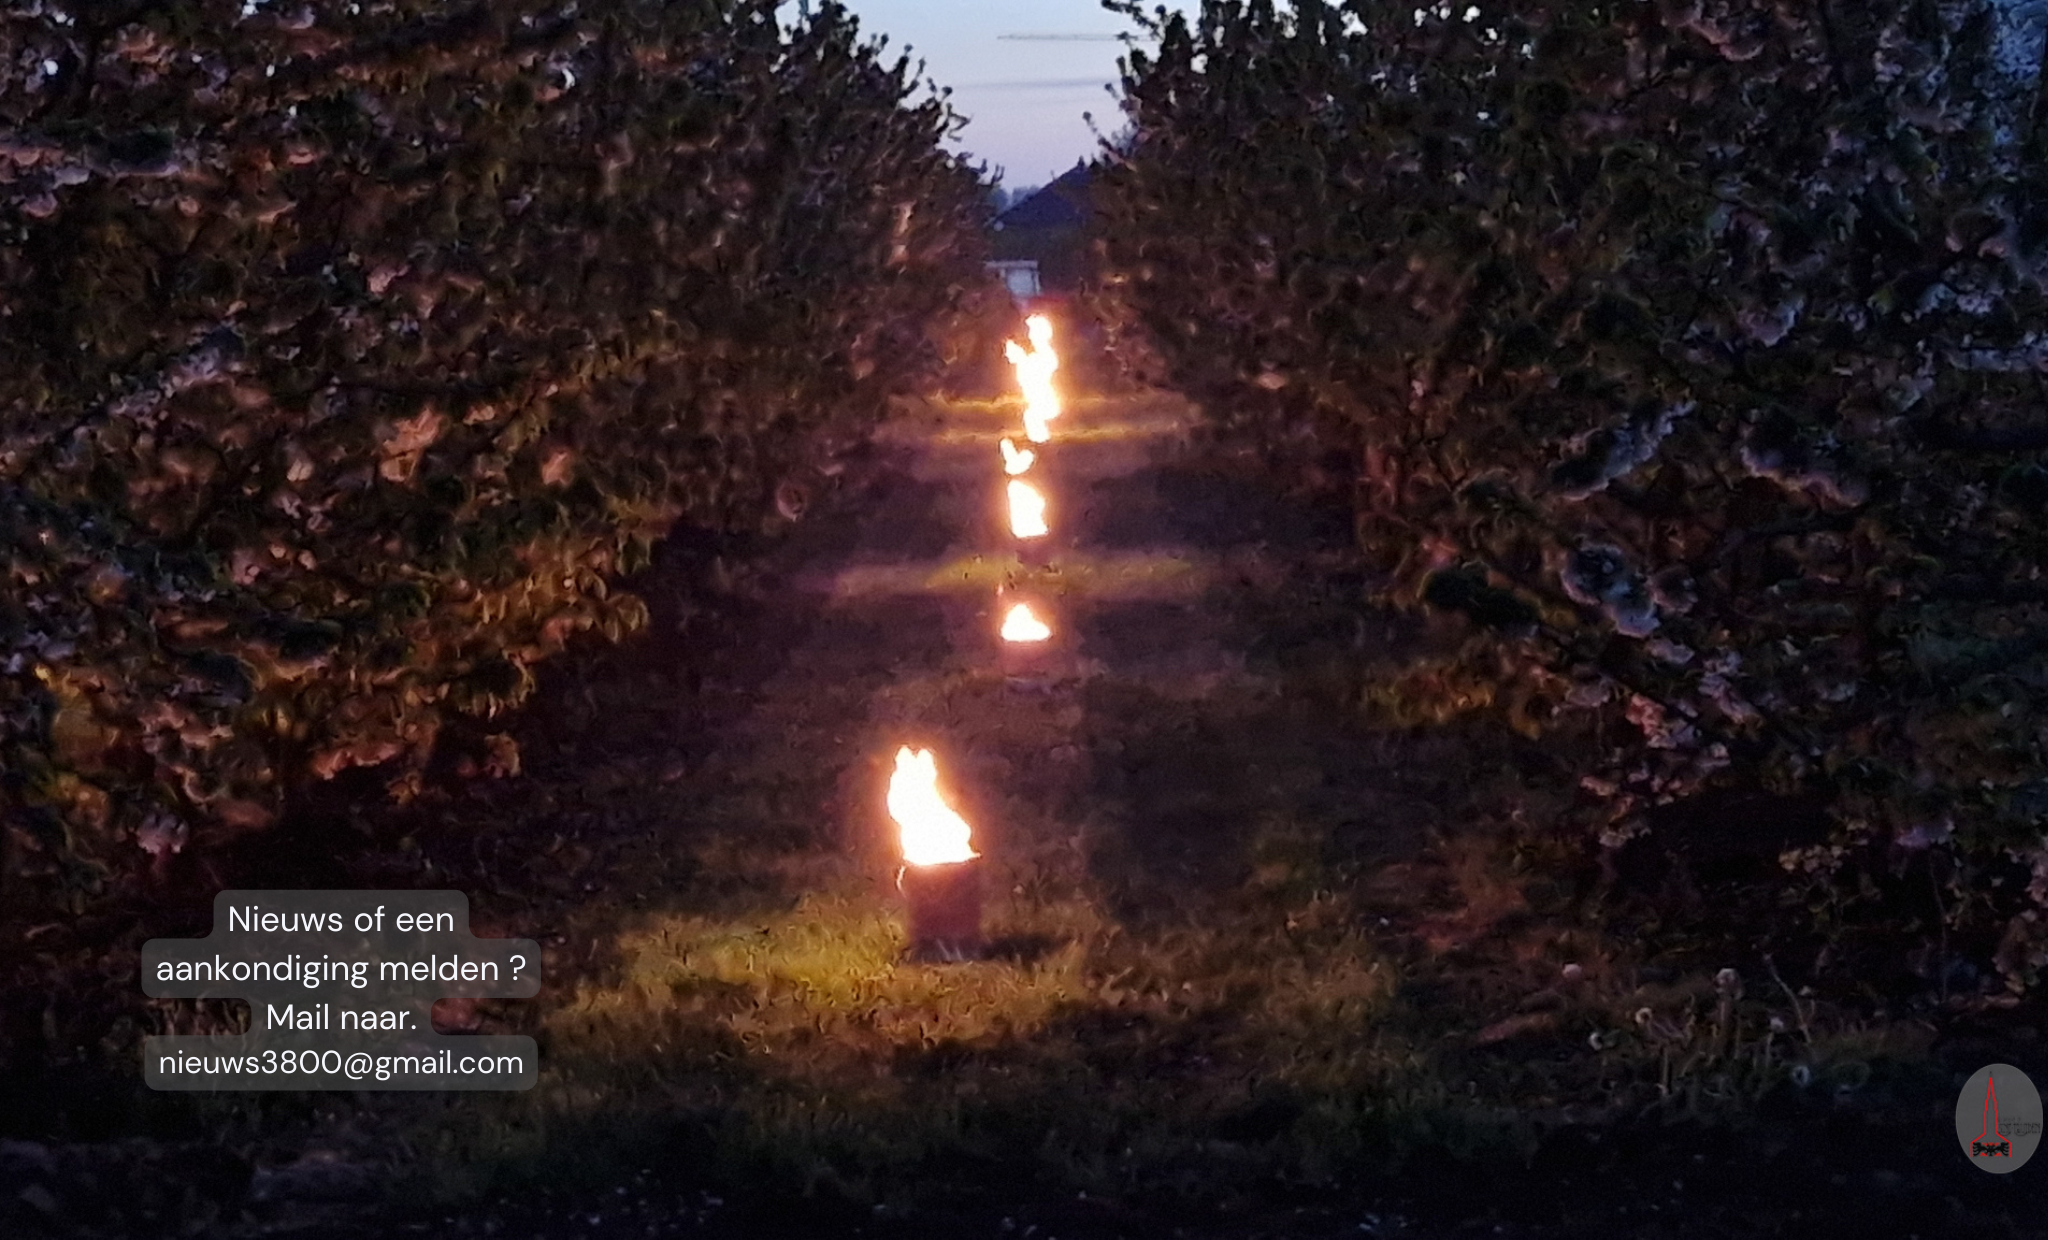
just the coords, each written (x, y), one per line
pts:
(1125, 633)
(1199, 787)
(1021, 948)
(899, 523)
(1207, 506)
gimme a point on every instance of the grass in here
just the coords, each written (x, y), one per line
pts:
(1083, 1054)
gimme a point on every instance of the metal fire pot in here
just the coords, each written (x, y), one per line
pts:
(944, 904)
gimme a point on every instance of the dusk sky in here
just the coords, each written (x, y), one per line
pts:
(1023, 97)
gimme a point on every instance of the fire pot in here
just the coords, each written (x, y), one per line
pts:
(944, 905)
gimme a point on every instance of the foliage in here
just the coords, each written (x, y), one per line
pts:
(350, 352)
(1692, 350)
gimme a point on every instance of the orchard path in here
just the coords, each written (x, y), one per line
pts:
(1175, 721)
(1233, 926)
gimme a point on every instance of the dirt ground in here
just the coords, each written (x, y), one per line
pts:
(1258, 968)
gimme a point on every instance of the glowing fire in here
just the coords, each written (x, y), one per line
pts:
(1022, 626)
(933, 832)
(1027, 510)
(1016, 460)
(1035, 369)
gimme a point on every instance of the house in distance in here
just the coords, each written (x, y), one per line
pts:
(1037, 244)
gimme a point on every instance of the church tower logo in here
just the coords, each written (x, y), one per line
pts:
(1998, 1118)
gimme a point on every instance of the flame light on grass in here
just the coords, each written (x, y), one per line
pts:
(1027, 510)
(1035, 368)
(1016, 460)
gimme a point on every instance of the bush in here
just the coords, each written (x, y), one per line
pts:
(350, 352)
(1692, 351)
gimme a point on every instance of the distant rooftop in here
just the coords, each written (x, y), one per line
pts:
(1062, 204)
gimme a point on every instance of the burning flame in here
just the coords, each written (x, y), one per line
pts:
(1021, 626)
(1034, 376)
(1015, 460)
(1027, 510)
(933, 832)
